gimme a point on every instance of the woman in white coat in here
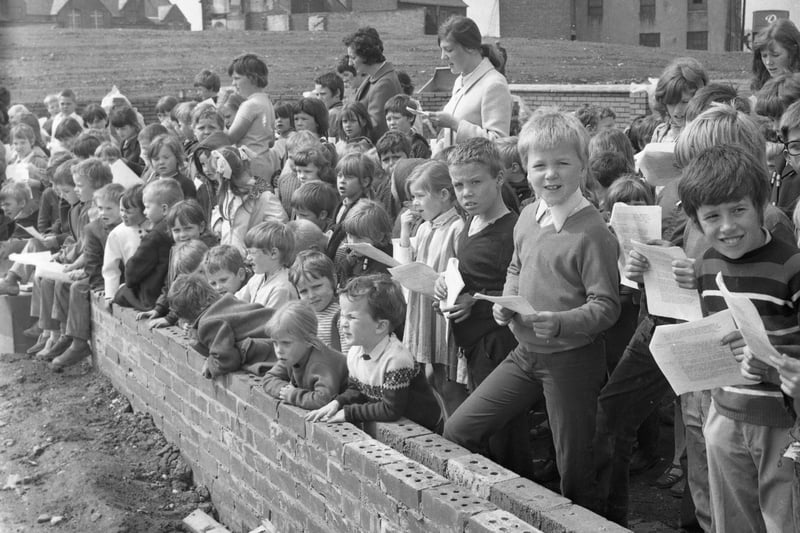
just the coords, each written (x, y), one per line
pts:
(481, 102)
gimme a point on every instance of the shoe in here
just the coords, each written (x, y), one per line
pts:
(545, 471)
(642, 462)
(74, 354)
(676, 490)
(57, 348)
(33, 332)
(40, 344)
(8, 287)
(671, 475)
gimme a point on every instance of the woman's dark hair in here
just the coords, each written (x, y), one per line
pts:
(782, 32)
(94, 112)
(250, 66)
(315, 108)
(69, 127)
(124, 116)
(366, 44)
(464, 32)
(405, 82)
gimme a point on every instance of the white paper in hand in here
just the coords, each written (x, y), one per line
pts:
(749, 322)
(18, 172)
(123, 175)
(373, 253)
(454, 281)
(658, 164)
(664, 296)
(516, 303)
(416, 276)
(640, 223)
(33, 232)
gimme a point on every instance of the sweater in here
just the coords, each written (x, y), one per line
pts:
(770, 276)
(94, 243)
(374, 91)
(271, 290)
(318, 378)
(225, 331)
(146, 270)
(572, 273)
(386, 385)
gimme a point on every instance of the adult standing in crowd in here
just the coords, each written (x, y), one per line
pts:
(254, 122)
(776, 51)
(365, 50)
(481, 102)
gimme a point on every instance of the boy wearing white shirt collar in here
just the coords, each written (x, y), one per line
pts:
(564, 265)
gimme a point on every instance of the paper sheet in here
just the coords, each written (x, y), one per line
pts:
(33, 232)
(34, 258)
(750, 324)
(52, 271)
(123, 175)
(416, 276)
(454, 281)
(658, 164)
(691, 356)
(664, 296)
(18, 172)
(640, 223)
(518, 304)
(370, 251)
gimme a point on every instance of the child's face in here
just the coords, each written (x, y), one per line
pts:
(476, 189)
(318, 292)
(677, 111)
(165, 163)
(82, 187)
(349, 187)
(228, 115)
(53, 107)
(514, 173)
(66, 105)
(358, 325)
(731, 228)
(389, 161)
(22, 146)
(203, 94)
(125, 132)
(793, 142)
(307, 173)
(555, 173)
(154, 211)
(108, 159)
(606, 123)
(351, 127)
(264, 261)
(109, 211)
(143, 149)
(399, 122)
(185, 130)
(290, 349)
(426, 203)
(11, 207)
(205, 163)
(225, 281)
(67, 192)
(307, 214)
(282, 125)
(131, 216)
(325, 94)
(186, 232)
(304, 122)
(204, 128)
(97, 124)
(163, 118)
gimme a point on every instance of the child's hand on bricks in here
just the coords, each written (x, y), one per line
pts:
(205, 370)
(502, 315)
(789, 374)
(145, 315)
(285, 391)
(337, 418)
(158, 323)
(684, 273)
(324, 413)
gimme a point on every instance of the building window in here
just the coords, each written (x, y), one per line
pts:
(650, 39)
(697, 40)
(698, 5)
(647, 11)
(595, 9)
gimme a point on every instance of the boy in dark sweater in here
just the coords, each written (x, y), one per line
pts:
(724, 191)
(229, 332)
(146, 271)
(385, 381)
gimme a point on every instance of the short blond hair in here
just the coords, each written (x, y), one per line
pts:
(549, 128)
(296, 319)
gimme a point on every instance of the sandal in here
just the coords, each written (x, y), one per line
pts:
(671, 475)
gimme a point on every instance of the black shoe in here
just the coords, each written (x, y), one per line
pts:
(545, 471)
(641, 462)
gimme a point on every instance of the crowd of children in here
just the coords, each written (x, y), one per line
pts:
(275, 252)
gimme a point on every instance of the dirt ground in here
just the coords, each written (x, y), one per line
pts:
(75, 458)
(71, 447)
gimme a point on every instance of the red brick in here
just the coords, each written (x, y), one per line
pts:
(395, 433)
(299, 471)
(576, 519)
(331, 437)
(449, 507)
(477, 473)
(293, 418)
(347, 482)
(264, 403)
(366, 457)
(498, 521)
(377, 500)
(527, 500)
(433, 451)
(405, 481)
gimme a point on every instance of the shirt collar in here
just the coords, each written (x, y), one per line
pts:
(561, 212)
(377, 351)
(444, 218)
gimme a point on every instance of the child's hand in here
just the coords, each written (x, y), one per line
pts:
(440, 119)
(158, 323)
(337, 418)
(71, 266)
(751, 368)
(77, 274)
(323, 413)
(461, 310)
(145, 315)
(407, 218)
(545, 324)
(636, 266)
(205, 370)
(285, 391)
(50, 242)
(502, 315)
(684, 274)
(789, 374)
(440, 288)
(736, 343)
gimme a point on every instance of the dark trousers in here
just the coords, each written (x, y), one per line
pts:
(633, 392)
(569, 381)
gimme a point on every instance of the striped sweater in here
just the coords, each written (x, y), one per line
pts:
(770, 277)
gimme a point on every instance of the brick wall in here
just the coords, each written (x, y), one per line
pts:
(261, 460)
(540, 19)
(401, 21)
